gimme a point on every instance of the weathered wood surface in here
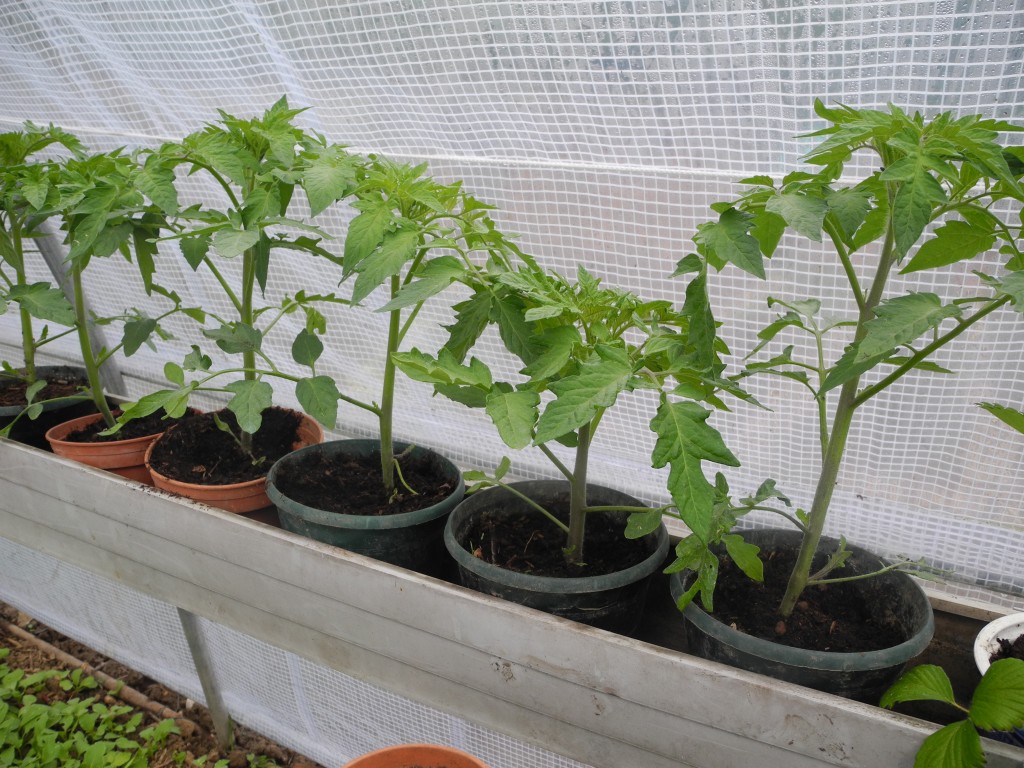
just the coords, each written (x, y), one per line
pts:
(599, 698)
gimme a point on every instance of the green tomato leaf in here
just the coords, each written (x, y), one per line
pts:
(580, 395)
(397, 248)
(365, 233)
(327, 178)
(44, 302)
(558, 344)
(318, 397)
(250, 399)
(174, 373)
(194, 248)
(802, 212)
(471, 318)
(745, 556)
(1011, 285)
(236, 338)
(230, 243)
(953, 746)
(684, 441)
(137, 333)
(689, 263)
(897, 321)
(918, 194)
(517, 334)
(434, 277)
(156, 181)
(926, 682)
(998, 702)
(173, 402)
(953, 242)
(1005, 414)
(640, 524)
(514, 414)
(307, 348)
(729, 240)
(850, 207)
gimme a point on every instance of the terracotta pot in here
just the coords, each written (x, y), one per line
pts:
(235, 497)
(417, 756)
(122, 457)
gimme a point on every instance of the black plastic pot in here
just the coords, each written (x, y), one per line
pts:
(33, 431)
(895, 597)
(412, 540)
(614, 601)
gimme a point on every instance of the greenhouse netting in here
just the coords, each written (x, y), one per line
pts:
(602, 132)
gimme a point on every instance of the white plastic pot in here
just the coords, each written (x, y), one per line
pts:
(987, 642)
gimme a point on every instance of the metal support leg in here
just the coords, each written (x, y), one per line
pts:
(222, 725)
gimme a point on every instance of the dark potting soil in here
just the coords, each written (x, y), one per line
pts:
(1009, 649)
(12, 391)
(832, 617)
(352, 485)
(153, 424)
(532, 544)
(197, 451)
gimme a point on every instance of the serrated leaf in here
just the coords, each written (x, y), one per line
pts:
(396, 249)
(849, 206)
(953, 746)
(953, 242)
(926, 682)
(436, 275)
(998, 702)
(471, 318)
(137, 333)
(443, 370)
(44, 302)
(250, 399)
(1006, 414)
(689, 263)
(557, 344)
(580, 395)
(230, 243)
(318, 397)
(156, 181)
(802, 212)
(684, 441)
(173, 401)
(306, 348)
(197, 361)
(918, 194)
(745, 556)
(365, 233)
(194, 249)
(327, 179)
(768, 230)
(897, 321)
(729, 239)
(517, 334)
(1011, 285)
(514, 415)
(236, 338)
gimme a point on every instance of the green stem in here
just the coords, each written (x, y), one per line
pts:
(578, 498)
(844, 258)
(92, 369)
(556, 461)
(246, 317)
(519, 494)
(833, 457)
(387, 397)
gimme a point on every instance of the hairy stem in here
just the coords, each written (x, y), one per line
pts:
(387, 397)
(92, 368)
(578, 498)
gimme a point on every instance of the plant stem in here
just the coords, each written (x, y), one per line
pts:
(246, 317)
(833, 457)
(578, 498)
(92, 369)
(387, 397)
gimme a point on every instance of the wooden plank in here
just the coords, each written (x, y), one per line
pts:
(597, 697)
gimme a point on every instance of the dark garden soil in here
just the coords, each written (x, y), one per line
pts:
(197, 451)
(1009, 649)
(153, 424)
(198, 748)
(12, 391)
(352, 485)
(528, 544)
(833, 617)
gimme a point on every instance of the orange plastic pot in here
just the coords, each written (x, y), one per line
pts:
(235, 497)
(123, 457)
(417, 756)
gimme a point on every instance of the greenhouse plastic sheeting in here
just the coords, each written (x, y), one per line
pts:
(602, 131)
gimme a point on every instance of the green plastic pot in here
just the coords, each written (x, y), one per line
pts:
(33, 431)
(613, 601)
(864, 676)
(412, 540)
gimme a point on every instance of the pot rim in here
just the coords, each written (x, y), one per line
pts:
(1008, 627)
(84, 421)
(358, 522)
(567, 584)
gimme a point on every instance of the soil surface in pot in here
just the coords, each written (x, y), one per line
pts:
(153, 424)
(833, 617)
(352, 485)
(1009, 649)
(197, 451)
(12, 391)
(526, 544)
